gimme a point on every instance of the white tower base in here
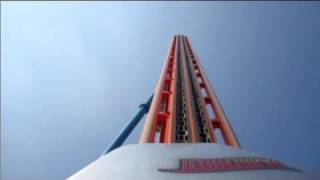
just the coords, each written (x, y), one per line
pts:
(164, 162)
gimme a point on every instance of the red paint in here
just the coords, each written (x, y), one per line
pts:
(226, 164)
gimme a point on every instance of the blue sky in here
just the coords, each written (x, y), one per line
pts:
(73, 73)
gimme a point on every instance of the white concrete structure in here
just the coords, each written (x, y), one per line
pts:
(143, 161)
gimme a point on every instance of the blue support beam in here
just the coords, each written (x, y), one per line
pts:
(125, 132)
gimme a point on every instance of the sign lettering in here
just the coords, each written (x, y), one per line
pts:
(226, 164)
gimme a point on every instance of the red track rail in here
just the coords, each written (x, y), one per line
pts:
(162, 124)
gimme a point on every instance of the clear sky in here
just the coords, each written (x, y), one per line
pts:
(73, 73)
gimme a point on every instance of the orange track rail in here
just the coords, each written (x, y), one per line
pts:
(161, 119)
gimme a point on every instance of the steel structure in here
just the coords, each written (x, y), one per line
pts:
(185, 108)
(180, 136)
(125, 132)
